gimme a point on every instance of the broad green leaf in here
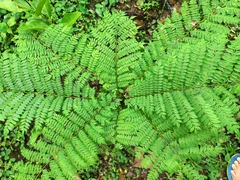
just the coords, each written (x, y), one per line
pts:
(48, 8)
(11, 6)
(39, 7)
(34, 24)
(70, 18)
(12, 21)
(34, 136)
(23, 4)
(3, 27)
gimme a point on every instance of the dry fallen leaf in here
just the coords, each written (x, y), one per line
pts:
(78, 178)
(121, 177)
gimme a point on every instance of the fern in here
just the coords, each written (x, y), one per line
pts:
(172, 99)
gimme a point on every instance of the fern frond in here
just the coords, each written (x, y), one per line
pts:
(194, 11)
(185, 72)
(206, 7)
(190, 14)
(35, 156)
(197, 153)
(192, 173)
(229, 65)
(117, 52)
(68, 143)
(26, 170)
(215, 28)
(224, 19)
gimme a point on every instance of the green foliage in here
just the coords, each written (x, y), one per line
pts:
(113, 162)
(82, 6)
(174, 99)
(36, 8)
(39, 14)
(7, 26)
(142, 4)
(104, 6)
(6, 164)
(8, 154)
(13, 13)
(15, 5)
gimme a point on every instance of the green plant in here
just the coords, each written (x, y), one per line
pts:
(7, 158)
(38, 12)
(86, 19)
(82, 6)
(14, 14)
(113, 161)
(146, 5)
(7, 28)
(104, 6)
(6, 164)
(63, 7)
(173, 99)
